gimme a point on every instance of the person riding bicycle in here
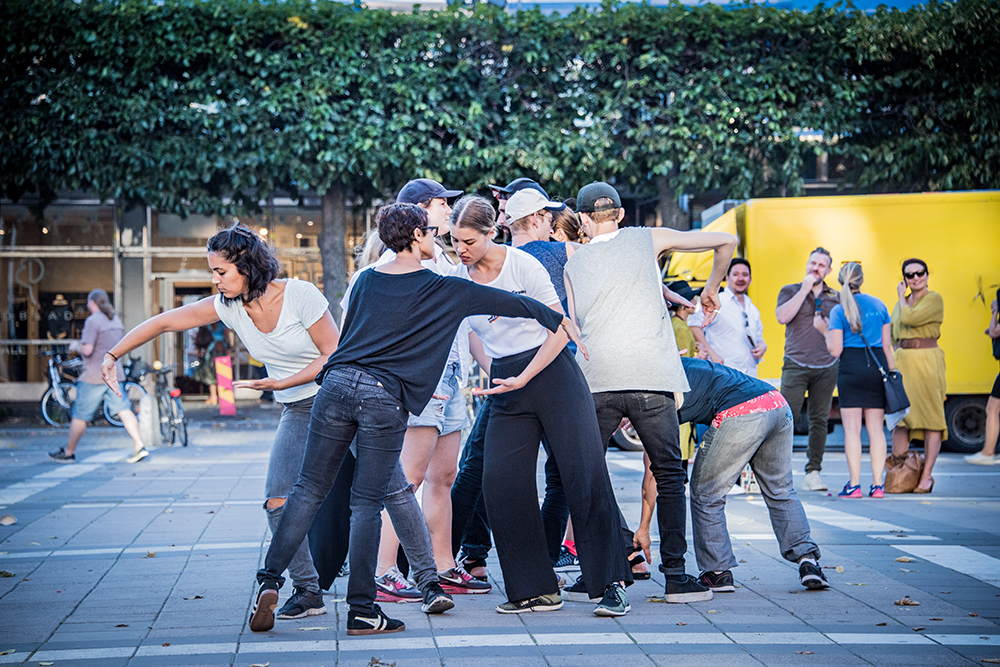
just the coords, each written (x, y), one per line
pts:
(101, 331)
(285, 324)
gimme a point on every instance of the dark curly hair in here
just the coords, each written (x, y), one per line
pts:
(251, 255)
(396, 223)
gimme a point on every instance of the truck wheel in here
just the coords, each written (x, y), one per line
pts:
(966, 419)
(628, 440)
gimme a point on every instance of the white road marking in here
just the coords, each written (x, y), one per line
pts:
(849, 521)
(15, 493)
(134, 550)
(961, 559)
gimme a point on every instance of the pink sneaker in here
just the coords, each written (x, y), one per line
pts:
(876, 492)
(393, 587)
(458, 581)
(851, 491)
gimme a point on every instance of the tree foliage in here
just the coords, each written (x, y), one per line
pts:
(178, 104)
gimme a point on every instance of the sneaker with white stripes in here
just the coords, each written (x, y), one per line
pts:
(375, 624)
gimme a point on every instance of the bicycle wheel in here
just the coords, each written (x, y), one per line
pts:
(166, 420)
(134, 393)
(53, 411)
(180, 423)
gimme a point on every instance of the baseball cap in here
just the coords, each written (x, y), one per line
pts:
(422, 189)
(519, 184)
(589, 194)
(525, 202)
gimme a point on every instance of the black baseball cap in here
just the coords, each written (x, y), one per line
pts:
(520, 184)
(589, 194)
(421, 189)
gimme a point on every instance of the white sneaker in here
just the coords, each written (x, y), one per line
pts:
(979, 459)
(813, 482)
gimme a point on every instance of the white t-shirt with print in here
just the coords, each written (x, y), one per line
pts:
(520, 274)
(288, 348)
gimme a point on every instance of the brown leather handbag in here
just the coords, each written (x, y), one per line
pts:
(902, 473)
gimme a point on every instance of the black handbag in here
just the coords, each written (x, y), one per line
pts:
(896, 400)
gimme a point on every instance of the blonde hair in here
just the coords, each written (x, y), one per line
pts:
(370, 250)
(851, 277)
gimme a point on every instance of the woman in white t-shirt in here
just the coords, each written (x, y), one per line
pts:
(538, 388)
(286, 325)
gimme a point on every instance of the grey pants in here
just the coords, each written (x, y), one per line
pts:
(282, 472)
(764, 440)
(796, 380)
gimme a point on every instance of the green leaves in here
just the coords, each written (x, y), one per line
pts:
(180, 103)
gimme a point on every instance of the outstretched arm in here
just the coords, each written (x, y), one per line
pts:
(191, 316)
(325, 337)
(723, 245)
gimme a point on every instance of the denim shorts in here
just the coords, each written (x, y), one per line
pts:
(447, 416)
(89, 398)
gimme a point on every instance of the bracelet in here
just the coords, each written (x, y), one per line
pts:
(111, 355)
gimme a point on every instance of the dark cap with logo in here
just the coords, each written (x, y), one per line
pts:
(587, 198)
(421, 189)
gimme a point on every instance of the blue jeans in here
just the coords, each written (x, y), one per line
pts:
(764, 440)
(350, 403)
(282, 472)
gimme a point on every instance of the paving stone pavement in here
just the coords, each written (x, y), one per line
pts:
(111, 564)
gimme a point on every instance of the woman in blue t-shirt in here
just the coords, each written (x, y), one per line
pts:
(858, 319)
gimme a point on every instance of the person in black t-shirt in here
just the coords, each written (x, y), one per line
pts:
(396, 337)
(749, 422)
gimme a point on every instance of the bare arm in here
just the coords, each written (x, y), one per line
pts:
(723, 245)
(191, 316)
(640, 539)
(479, 353)
(570, 298)
(835, 341)
(887, 346)
(994, 329)
(699, 337)
(325, 337)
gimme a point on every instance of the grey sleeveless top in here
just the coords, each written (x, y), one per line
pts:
(623, 318)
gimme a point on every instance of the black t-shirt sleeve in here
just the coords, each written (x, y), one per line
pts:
(482, 300)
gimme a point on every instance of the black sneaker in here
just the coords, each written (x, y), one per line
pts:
(567, 561)
(60, 456)
(541, 603)
(811, 576)
(614, 602)
(683, 588)
(265, 601)
(377, 624)
(578, 592)
(718, 582)
(302, 603)
(436, 601)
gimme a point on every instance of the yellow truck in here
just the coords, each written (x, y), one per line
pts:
(956, 233)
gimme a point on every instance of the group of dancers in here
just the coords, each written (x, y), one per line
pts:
(575, 339)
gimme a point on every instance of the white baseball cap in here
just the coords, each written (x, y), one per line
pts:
(525, 202)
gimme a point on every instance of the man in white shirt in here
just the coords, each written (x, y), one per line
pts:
(735, 338)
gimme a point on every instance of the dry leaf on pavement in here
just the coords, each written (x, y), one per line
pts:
(8, 520)
(905, 559)
(150, 554)
(906, 602)
(881, 624)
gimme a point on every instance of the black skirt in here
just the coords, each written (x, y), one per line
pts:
(859, 383)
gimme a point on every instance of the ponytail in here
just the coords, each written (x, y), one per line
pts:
(101, 300)
(851, 277)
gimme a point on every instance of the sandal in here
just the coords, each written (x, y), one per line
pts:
(635, 560)
(472, 564)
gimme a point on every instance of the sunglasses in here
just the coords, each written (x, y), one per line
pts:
(242, 231)
(501, 196)
(915, 274)
(431, 230)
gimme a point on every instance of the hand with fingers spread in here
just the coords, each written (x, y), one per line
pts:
(262, 384)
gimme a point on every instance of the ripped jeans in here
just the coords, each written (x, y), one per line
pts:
(282, 472)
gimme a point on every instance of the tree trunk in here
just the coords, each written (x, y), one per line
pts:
(333, 245)
(668, 211)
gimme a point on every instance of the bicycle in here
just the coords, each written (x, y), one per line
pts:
(173, 422)
(57, 401)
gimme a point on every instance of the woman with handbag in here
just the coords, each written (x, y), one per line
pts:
(858, 332)
(987, 456)
(916, 327)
